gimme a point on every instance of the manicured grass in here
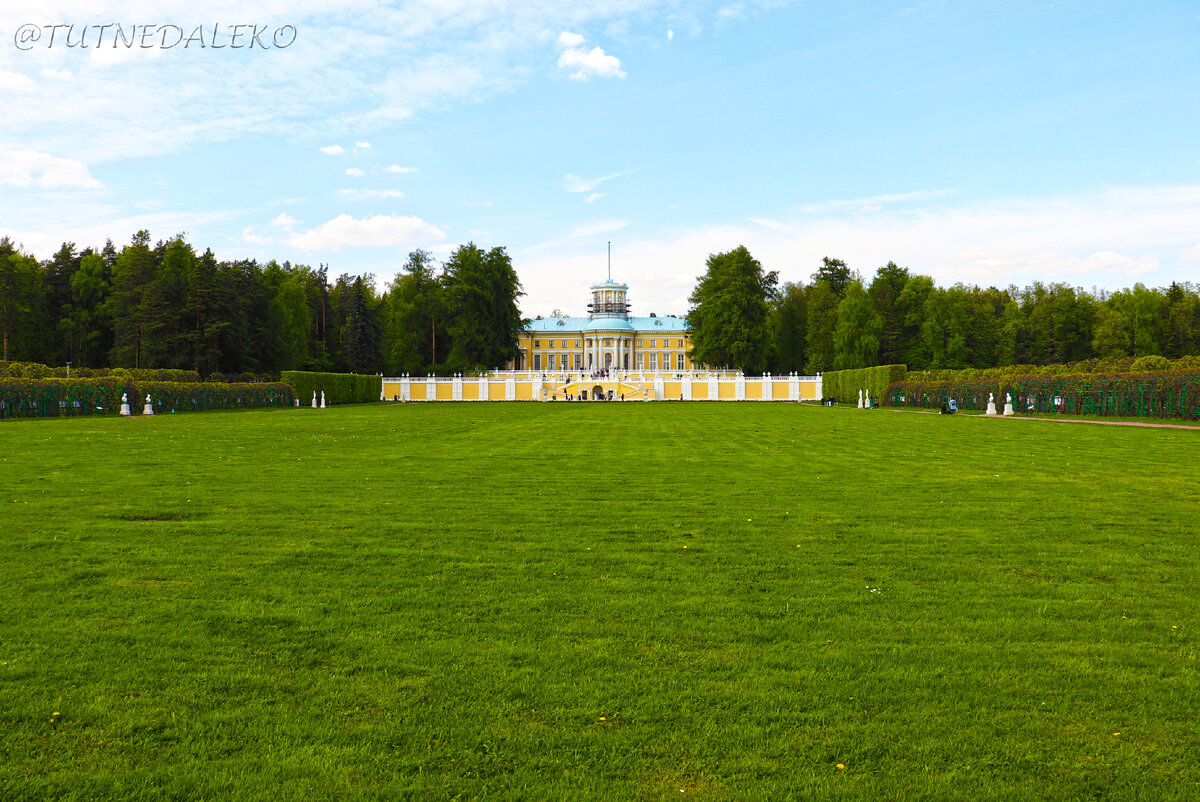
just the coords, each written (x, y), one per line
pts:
(598, 601)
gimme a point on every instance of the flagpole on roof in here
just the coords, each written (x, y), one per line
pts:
(610, 260)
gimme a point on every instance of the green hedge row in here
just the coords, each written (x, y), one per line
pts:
(339, 388)
(42, 398)
(36, 370)
(1101, 367)
(843, 386)
(1171, 394)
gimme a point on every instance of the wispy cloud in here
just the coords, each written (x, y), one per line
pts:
(574, 183)
(345, 68)
(582, 232)
(876, 202)
(370, 194)
(333, 150)
(1111, 238)
(355, 171)
(398, 170)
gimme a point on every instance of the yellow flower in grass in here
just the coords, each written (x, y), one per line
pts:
(841, 765)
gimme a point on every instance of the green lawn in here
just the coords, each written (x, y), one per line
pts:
(597, 601)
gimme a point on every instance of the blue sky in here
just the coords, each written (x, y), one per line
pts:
(988, 143)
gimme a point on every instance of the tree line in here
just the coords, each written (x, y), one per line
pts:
(742, 318)
(165, 305)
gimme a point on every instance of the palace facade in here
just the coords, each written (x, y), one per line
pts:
(608, 355)
(609, 338)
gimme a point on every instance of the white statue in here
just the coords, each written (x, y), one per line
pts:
(1008, 407)
(322, 399)
(991, 408)
(314, 399)
(149, 408)
(125, 404)
(860, 401)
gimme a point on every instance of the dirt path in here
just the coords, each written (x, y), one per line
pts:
(1101, 422)
(1058, 420)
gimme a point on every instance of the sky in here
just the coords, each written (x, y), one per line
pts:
(989, 143)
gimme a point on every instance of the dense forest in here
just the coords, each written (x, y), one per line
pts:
(167, 306)
(841, 321)
(164, 305)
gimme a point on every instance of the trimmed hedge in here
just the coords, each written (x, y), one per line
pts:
(339, 388)
(36, 370)
(41, 398)
(1168, 394)
(844, 385)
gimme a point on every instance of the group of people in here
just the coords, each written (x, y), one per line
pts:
(583, 397)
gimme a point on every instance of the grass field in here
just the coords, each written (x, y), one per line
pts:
(597, 601)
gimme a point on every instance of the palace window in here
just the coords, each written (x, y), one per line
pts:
(680, 344)
(578, 362)
(577, 344)
(654, 362)
(653, 343)
(537, 361)
(641, 361)
(679, 362)
(550, 361)
(537, 343)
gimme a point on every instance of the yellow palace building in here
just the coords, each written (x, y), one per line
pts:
(608, 339)
(608, 355)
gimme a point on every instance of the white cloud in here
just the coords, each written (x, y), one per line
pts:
(26, 168)
(593, 197)
(398, 170)
(248, 235)
(566, 39)
(1109, 238)
(333, 150)
(670, 34)
(379, 231)
(284, 220)
(363, 145)
(356, 65)
(354, 171)
(589, 63)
